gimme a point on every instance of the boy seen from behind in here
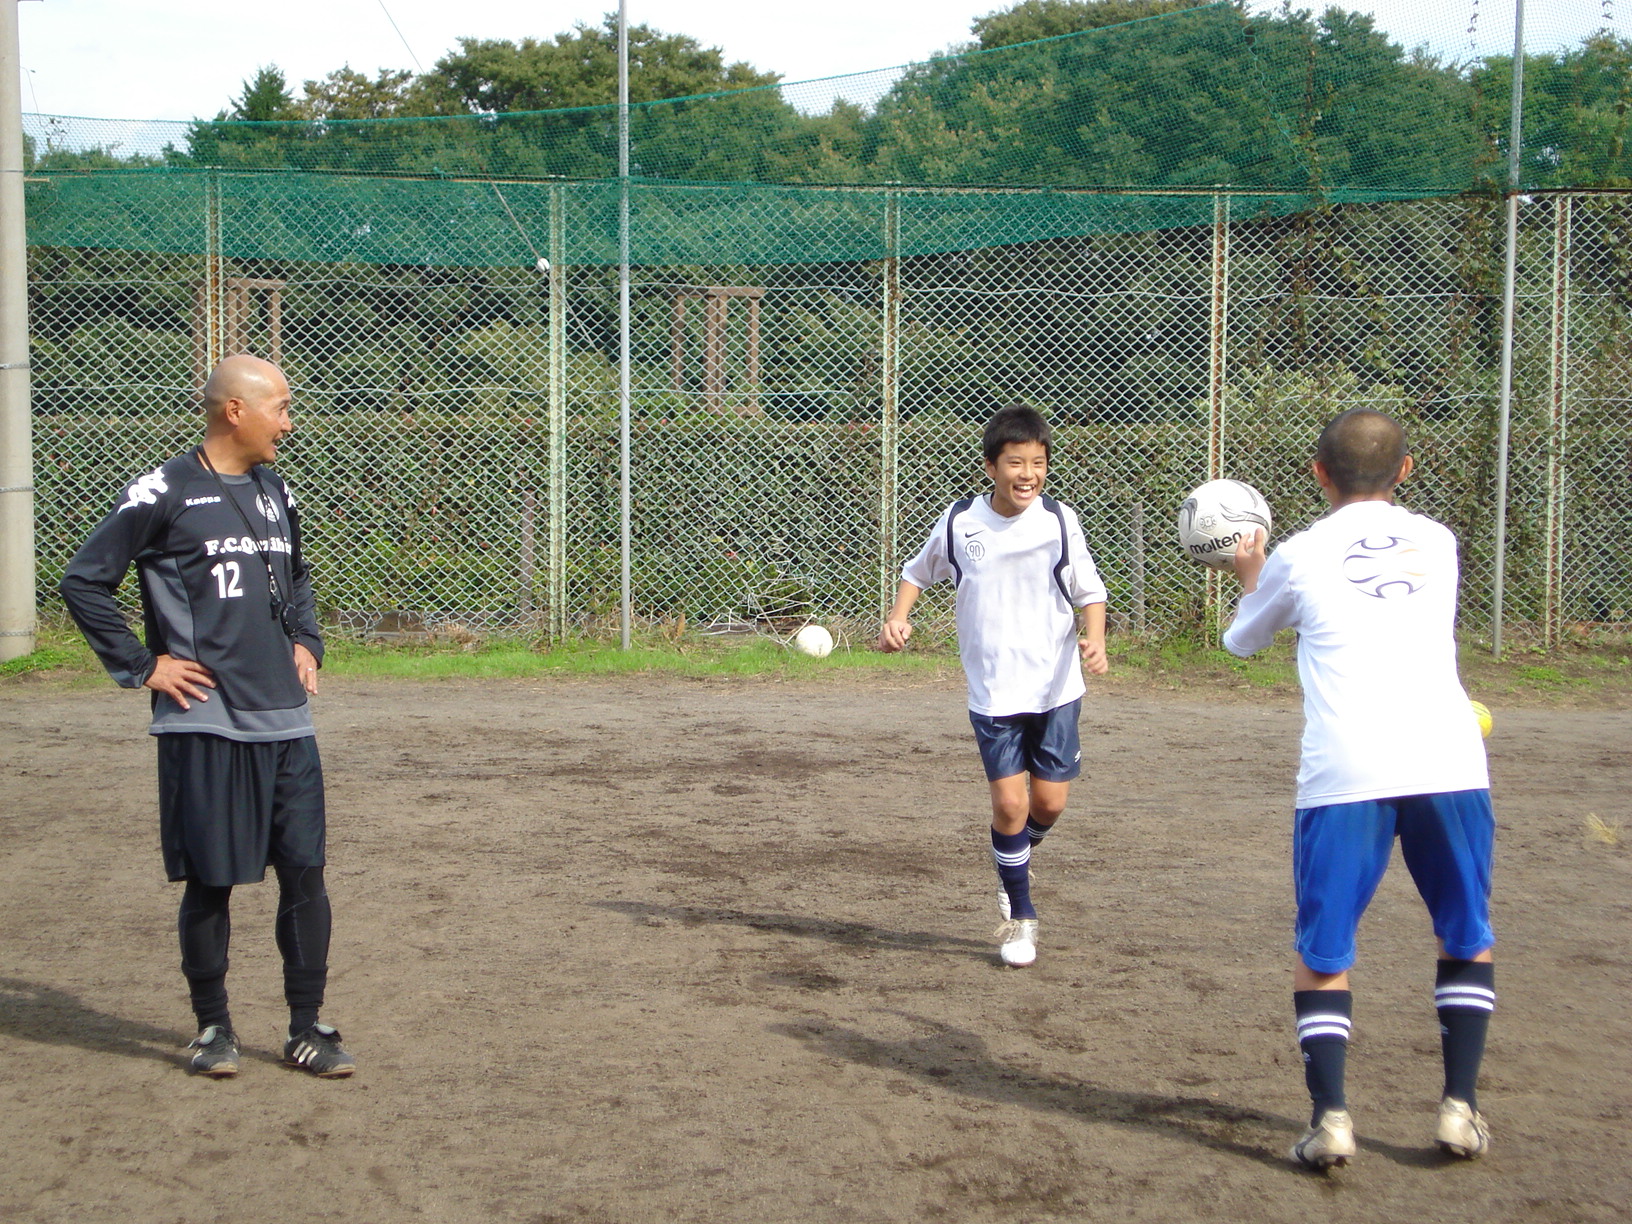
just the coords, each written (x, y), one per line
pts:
(1031, 619)
(1391, 748)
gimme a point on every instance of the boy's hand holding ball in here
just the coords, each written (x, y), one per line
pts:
(1250, 556)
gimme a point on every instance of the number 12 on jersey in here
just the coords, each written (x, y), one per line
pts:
(226, 580)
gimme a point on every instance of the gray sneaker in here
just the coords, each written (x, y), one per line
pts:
(216, 1052)
(1330, 1141)
(318, 1050)
(1462, 1130)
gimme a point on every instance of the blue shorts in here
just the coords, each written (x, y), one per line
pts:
(1044, 745)
(1340, 851)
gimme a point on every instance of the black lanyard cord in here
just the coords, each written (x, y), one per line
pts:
(279, 605)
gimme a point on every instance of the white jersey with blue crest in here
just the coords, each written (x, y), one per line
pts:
(1020, 581)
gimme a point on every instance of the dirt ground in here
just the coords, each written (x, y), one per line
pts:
(657, 949)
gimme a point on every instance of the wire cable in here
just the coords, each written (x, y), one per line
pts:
(400, 35)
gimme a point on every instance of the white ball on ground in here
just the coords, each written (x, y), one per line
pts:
(543, 265)
(814, 641)
(1216, 517)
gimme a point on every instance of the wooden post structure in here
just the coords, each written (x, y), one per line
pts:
(716, 301)
(218, 334)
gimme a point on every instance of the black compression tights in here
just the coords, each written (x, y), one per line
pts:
(205, 927)
(304, 923)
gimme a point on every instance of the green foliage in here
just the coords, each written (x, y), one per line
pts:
(266, 99)
(346, 94)
(576, 69)
(1575, 113)
(1136, 93)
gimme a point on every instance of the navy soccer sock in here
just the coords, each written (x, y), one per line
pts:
(1012, 853)
(1036, 832)
(204, 926)
(1465, 997)
(1324, 1021)
(303, 927)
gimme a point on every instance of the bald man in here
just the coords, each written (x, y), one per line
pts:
(231, 655)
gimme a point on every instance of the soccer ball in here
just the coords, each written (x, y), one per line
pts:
(814, 641)
(1482, 713)
(1218, 516)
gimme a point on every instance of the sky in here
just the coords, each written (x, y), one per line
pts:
(182, 59)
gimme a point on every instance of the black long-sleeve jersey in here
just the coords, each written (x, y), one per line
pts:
(205, 596)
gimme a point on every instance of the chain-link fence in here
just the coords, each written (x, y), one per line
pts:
(797, 426)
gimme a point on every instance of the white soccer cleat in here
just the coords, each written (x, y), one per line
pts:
(1462, 1130)
(1330, 1141)
(1018, 941)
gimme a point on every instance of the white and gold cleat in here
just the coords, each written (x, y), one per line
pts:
(1329, 1142)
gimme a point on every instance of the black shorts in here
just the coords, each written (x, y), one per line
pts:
(228, 810)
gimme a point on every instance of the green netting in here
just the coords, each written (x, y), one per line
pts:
(456, 223)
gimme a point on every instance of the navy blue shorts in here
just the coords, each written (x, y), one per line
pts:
(228, 810)
(1044, 745)
(1340, 851)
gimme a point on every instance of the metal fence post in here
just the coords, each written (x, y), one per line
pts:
(625, 501)
(557, 559)
(889, 393)
(1216, 356)
(1515, 152)
(1558, 381)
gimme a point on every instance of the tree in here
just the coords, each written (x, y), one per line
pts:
(266, 99)
(1157, 93)
(346, 94)
(1576, 109)
(1031, 20)
(580, 69)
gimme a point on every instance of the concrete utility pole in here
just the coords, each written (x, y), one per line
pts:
(17, 625)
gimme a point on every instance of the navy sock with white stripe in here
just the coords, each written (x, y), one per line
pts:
(1012, 853)
(1036, 832)
(1324, 1022)
(1465, 997)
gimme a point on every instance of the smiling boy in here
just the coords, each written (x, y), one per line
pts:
(1031, 619)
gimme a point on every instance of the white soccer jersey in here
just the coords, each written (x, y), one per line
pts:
(1371, 591)
(1017, 633)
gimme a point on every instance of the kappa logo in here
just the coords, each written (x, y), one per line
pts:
(267, 506)
(1388, 567)
(146, 490)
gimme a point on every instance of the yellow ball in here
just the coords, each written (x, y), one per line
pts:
(1482, 713)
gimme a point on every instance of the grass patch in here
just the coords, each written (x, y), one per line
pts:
(1577, 676)
(1179, 661)
(721, 656)
(59, 650)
